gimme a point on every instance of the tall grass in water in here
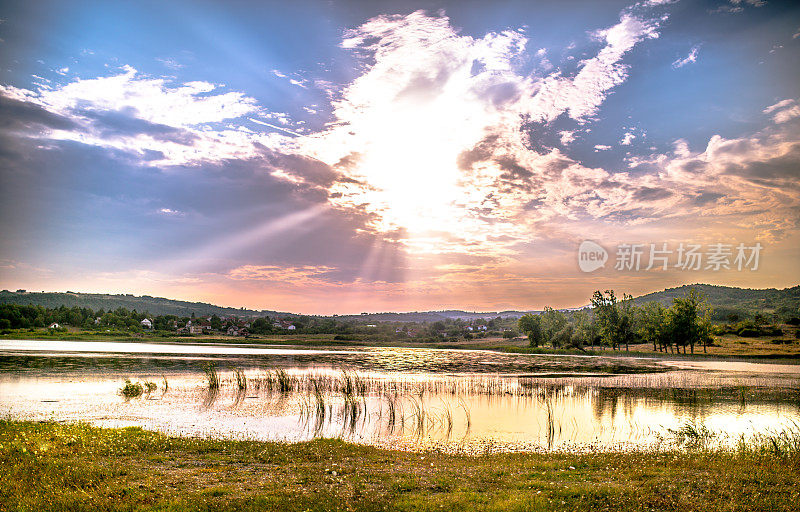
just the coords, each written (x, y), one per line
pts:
(212, 377)
(213, 385)
(692, 435)
(241, 379)
(784, 443)
(137, 389)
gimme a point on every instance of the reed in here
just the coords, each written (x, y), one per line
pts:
(241, 379)
(212, 377)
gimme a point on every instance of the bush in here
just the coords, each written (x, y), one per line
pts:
(793, 321)
(509, 334)
(748, 333)
(131, 390)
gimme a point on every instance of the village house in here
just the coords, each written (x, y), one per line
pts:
(146, 323)
(235, 330)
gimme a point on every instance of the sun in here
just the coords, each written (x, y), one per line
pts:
(408, 172)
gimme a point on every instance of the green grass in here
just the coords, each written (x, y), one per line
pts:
(50, 466)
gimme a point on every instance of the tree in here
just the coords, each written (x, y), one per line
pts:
(585, 332)
(216, 323)
(652, 324)
(531, 326)
(614, 318)
(688, 321)
(553, 322)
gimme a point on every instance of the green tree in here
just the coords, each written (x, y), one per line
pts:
(553, 323)
(688, 320)
(531, 326)
(614, 318)
(652, 325)
(216, 323)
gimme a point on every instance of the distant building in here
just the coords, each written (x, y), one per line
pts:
(54, 326)
(234, 330)
(193, 328)
(147, 324)
(284, 324)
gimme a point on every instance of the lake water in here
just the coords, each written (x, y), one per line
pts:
(398, 397)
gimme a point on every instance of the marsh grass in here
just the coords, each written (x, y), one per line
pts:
(426, 408)
(692, 434)
(52, 466)
(781, 443)
(212, 377)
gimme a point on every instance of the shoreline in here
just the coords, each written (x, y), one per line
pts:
(332, 345)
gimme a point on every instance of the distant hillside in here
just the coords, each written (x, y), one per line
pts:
(431, 316)
(725, 300)
(729, 300)
(145, 303)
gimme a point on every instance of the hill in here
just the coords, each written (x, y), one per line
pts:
(144, 303)
(727, 300)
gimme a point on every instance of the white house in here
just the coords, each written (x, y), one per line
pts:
(54, 326)
(147, 324)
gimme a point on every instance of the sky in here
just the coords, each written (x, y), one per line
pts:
(342, 157)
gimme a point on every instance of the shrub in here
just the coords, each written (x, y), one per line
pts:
(748, 333)
(131, 389)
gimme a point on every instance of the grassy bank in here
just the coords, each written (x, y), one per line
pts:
(49, 466)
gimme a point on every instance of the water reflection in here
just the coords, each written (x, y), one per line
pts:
(300, 396)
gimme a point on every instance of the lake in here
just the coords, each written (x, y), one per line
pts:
(458, 400)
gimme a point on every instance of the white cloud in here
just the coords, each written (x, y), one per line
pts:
(784, 111)
(566, 137)
(152, 99)
(627, 139)
(170, 212)
(192, 110)
(582, 95)
(689, 59)
(601, 147)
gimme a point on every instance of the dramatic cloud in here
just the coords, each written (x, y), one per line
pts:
(446, 158)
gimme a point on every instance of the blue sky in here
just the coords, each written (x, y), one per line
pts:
(349, 156)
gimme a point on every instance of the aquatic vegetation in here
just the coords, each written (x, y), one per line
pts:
(131, 389)
(783, 443)
(692, 435)
(212, 377)
(442, 410)
(241, 379)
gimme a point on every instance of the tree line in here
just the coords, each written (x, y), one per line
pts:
(615, 322)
